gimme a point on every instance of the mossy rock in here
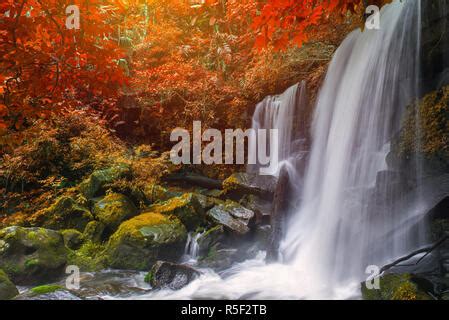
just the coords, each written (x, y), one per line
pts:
(210, 238)
(46, 288)
(94, 231)
(156, 193)
(32, 255)
(395, 287)
(240, 184)
(7, 289)
(73, 239)
(65, 213)
(95, 182)
(431, 142)
(113, 209)
(89, 257)
(186, 207)
(141, 241)
(47, 292)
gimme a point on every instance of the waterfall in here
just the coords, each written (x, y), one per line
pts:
(283, 112)
(339, 228)
(192, 248)
(372, 77)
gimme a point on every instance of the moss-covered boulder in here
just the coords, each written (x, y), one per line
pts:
(65, 213)
(395, 287)
(141, 241)
(113, 209)
(186, 207)
(89, 257)
(95, 182)
(94, 231)
(7, 289)
(240, 184)
(157, 193)
(73, 239)
(32, 255)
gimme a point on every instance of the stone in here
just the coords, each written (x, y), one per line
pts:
(141, 241)
(186, 208)
(170, 275)
(95, 182)
(7, 289)
(240, 184)
(94, 231)
(229, 216)
(32, 255)
(65, 213)
(113, 209)
(73, 239)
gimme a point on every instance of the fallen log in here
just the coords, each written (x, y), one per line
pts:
(196, 179)
(426, 250)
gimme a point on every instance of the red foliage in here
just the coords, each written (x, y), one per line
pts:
(47, 67)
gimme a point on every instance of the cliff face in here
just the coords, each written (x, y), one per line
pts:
(435, 44)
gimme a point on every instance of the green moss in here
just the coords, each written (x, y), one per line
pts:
(65, 213)
(395, 287)
(89, 257)
(7, 289)
(45, 289)
(32, 254)
(92, 185)
(186, 207)
(431, 117)
(149, 277)
(140, 241)
(113, 209)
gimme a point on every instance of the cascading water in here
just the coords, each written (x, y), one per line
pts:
(284, 113)
(336, 233)
(192, 248)
(372, 77)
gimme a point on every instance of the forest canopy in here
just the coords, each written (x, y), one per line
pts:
(192, 57)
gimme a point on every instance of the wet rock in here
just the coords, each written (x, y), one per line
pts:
(395, 287)
(223, 215)
(94, 183)
(240, 184)
(73, 239)
(7, 289)
(65, 213)
(169, 275)
(32, 255)
(48, 292)
(186, 207)
(111, 283)
(113, 209)
(262, 208)
(220, 258)
(210, 238)
(140, 242)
